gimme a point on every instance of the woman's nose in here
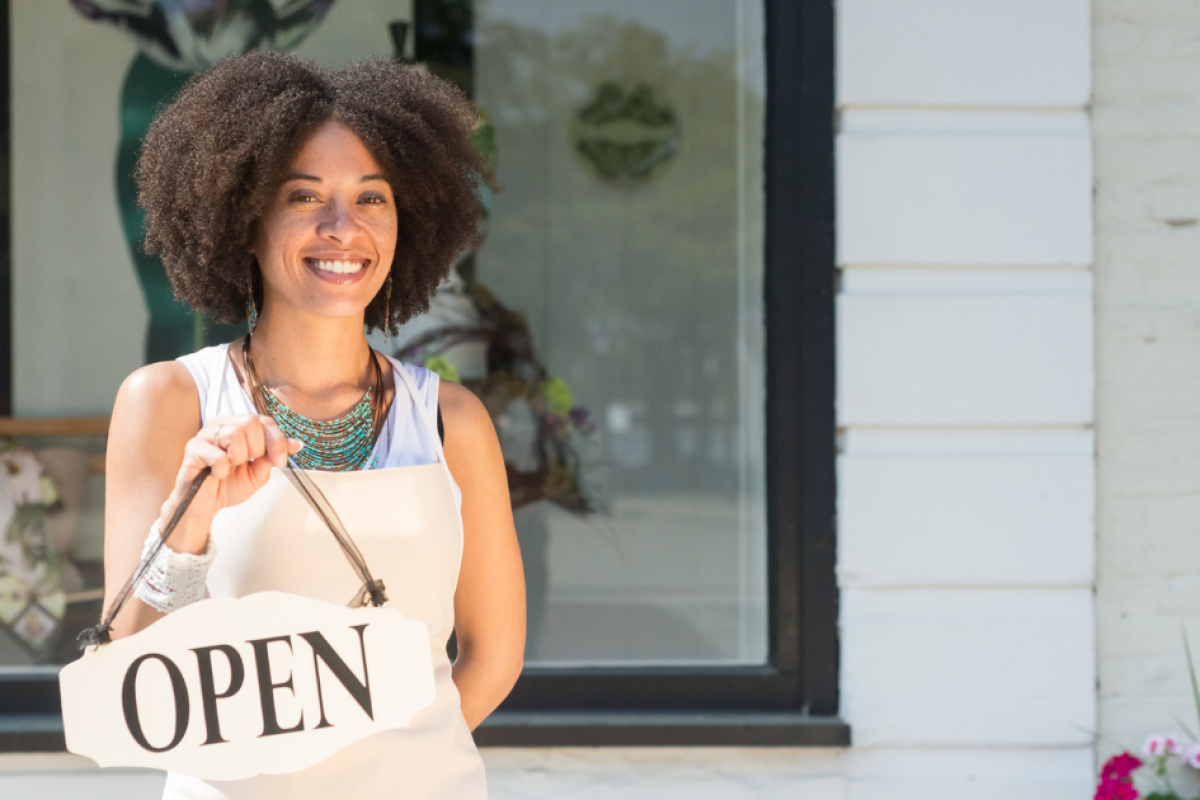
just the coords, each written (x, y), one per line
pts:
(338, 222)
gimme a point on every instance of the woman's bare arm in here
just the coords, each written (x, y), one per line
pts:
(156, 448)
(489, 604)
(157, 411)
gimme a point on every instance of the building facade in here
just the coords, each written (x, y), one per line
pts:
(1017, 206)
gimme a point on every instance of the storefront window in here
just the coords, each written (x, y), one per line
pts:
(619, 291)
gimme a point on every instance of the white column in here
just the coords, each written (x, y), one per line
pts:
(965, 392)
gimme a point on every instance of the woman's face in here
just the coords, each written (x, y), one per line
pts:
(325, 242)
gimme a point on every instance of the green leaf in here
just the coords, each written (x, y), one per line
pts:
(443, 367)
(558, 396)
(1187, 650)
(1162, 796)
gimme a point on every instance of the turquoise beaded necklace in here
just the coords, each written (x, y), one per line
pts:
(336, 445)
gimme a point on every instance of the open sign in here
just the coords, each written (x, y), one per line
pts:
(231, 688)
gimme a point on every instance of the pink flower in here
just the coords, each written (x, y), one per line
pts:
(1116, 790)
(1191, 756)
(1120, 766)
(1111, 789)
(1158, 746)
(1115, 783)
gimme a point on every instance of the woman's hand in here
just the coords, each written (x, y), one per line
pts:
(240, 450)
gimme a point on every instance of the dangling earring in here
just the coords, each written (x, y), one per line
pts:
(387, 306)
(251, 311)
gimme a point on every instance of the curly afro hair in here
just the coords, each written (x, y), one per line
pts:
(214, 158)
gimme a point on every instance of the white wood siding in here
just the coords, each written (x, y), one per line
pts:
(970, 359)
(963, 52)
(964, 188)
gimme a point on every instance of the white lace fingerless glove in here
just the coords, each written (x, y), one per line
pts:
(173, 580)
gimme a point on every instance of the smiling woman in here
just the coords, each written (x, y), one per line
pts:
(320, 204)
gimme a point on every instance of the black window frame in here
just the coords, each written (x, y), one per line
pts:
(793, 699)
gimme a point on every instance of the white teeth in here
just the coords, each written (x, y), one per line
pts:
(340, 267)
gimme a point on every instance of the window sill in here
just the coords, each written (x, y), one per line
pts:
(661, 729)
(43, 733)
(31, 733)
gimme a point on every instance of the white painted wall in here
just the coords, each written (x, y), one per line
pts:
(965, 399)
(1147, 141)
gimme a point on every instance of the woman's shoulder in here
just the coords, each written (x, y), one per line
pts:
(163, 386)
(467, 422)
(158, 379)
(157, 410)
(455, 399)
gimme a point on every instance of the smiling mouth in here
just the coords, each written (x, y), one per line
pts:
(337, 267)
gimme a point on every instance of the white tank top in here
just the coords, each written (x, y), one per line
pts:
(404, 516)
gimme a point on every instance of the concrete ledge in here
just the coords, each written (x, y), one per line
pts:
(645, 728)
(43, 733)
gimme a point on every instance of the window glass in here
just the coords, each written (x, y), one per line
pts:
(628, 140)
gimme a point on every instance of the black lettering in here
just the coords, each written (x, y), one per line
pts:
(129, 702)
(266, 689)
(323, 651)
(208, 691)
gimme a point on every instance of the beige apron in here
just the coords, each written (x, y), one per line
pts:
(406, 522)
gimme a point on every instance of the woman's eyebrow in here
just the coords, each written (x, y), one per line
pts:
(300, 176)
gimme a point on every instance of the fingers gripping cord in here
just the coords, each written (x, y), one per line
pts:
(371, 588)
